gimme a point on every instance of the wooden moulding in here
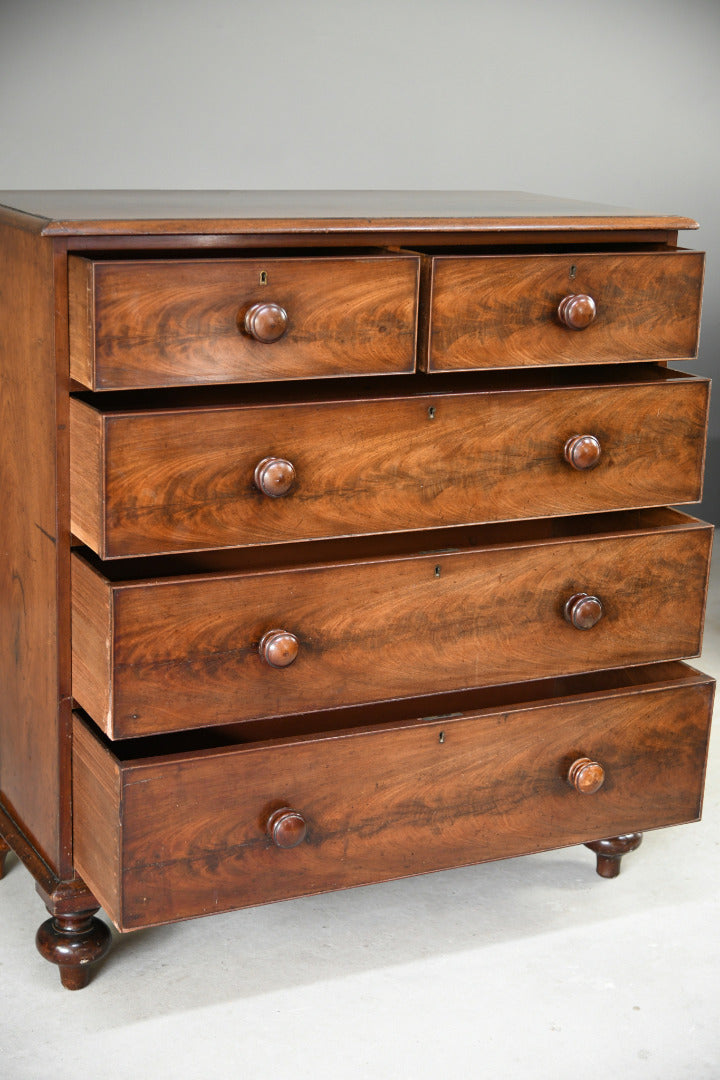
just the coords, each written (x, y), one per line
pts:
(492, 311)
(154, 654)
(180, 835)
(178, 478)
(102, 215)
(142, 323)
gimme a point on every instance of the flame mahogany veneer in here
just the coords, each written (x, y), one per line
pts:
(336, 545)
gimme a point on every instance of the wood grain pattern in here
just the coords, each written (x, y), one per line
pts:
(29, 608)
(92, 618)
(388, 801)
(180, 479)
(169, 323)
(87, 472)
(97, 811)
(501, 311)
(187, 648)
(168, 214)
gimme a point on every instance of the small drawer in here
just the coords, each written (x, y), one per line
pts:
(503, 604)
(508, 311)
(154, 323)
(181, 834)
(182, 478)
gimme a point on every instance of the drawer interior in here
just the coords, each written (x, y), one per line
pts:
(431, 708)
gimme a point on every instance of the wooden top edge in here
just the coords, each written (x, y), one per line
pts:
(183, 213)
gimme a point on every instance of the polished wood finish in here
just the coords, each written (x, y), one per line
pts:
(586, 776)
(32, 727)
(274, 476)
(418, 458)
(577, 311)
(174, 322)
(394, 799)
(582, 452)
(74, 943)
(286, 827)
(610, 852)
(319, 624)
(501, 311)
(321, 214)
(264, 322)
(278, 648)
(150, 656)
(583, 611)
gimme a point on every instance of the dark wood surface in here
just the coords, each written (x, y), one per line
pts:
(322, 212)
(153, 480)
(380, 803)
(169, 323)
(154, 656)
(32, 737)
(502, 311)
(611, 850)
(294, 583)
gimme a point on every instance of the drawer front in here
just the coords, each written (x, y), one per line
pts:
(164, 655)
(502, 311)
(181, 480)
(172, 323)
(170, 838)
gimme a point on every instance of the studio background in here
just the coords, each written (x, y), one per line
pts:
(615, 102)
(523, 968)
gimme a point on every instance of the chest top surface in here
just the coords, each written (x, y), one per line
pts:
(82, 213)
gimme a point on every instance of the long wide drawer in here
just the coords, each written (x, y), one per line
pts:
(502, 311)
(174, 322)
(182, 834)
(507, 603)
(179, 478)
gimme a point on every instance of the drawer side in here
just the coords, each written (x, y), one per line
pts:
(97, 818)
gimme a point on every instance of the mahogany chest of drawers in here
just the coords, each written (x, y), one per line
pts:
(338, 543)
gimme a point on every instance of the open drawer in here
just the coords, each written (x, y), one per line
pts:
(195, 470)
(550, 309)
(164, 833)
(170, 649)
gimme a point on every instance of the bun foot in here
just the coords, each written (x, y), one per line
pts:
(74, 943)
(610, 852)
(4, 849)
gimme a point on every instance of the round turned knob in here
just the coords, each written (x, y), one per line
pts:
(586, 776)
(274, 476)
(278, 648)
(265, 322)
(582, 451)
(583, 611)
(577, 311)
(286, 827)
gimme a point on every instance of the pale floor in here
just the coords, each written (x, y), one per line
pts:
(533, 967)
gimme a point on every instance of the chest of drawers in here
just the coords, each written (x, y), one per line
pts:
(339, 543)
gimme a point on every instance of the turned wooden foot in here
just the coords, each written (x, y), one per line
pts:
(4, 849)
(74, 943)
(610, 852)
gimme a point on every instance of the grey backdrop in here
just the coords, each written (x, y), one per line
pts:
(610, 100)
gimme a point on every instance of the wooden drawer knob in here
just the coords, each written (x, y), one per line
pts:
(577, 311)
(582, 452)
(275, 476)
(278, 648)
(583, 611)
(286, 827)
(265, 322)
(586, 776)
